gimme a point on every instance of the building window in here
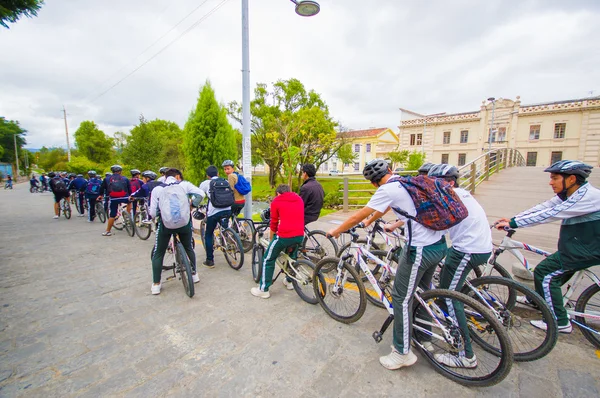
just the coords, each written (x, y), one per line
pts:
(334, 165)
(462, 159)
(346, 164)
(356, 166)
(559, 130)
(419, 139)
(501, 134)
(555, 157)
(445, 158)
(412, 139)
(357, 148)
(464, 136)
(446, 137)
(368, 149)
(531, 158)
(534, 132)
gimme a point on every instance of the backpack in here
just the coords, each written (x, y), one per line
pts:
(242, 185)
(220, 193)
(117, 186)
(438, 206)
(136, 184)
(60, 186)
(93, 186)
(174, 207)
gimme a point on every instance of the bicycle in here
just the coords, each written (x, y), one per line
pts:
(300, 272)
(36, 189)
(100, 212)
(435, 329)
(584, 311)
(65, 208)
(226, 240)
(142, 229)
(244, 227)
(123, 220)
(179, 262)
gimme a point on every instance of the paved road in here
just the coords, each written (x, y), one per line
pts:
(77, 319)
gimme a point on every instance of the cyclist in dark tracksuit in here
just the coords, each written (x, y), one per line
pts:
(118, 188)
(79, 184)
(149, 179)
(92, 192)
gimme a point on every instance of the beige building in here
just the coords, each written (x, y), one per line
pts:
(367, 145)
(543, 133)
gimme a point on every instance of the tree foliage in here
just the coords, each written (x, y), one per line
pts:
(208, 137)
(12, 10)
(8, 130)
(415, 160)
(346, 155)
(398, 158)
(93, 143)
(51, 158)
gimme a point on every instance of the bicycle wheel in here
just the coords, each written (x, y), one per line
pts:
(499, 294)
(100, 212)
(128, 224)
(258, 254)
(316, 246)
(245, 229)
(185, 269)
(589, 303)
(497, 270)
(67, 210)
(341, 299)
(142, 230)
(78, 207)
(304, 271)
(344, 248)
(119, 223)
(232, 248)
(202, 233)
(438, 336)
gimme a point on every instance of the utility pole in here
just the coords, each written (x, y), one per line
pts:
(493, 101)
(67, 133)
(16, 158)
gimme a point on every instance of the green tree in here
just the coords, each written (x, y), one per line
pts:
(8, 130)
(346, 155)
(50, 158)
(93, 143)
(12, 10)
(1, 151)
(398, 158)
(415, 160)
(208, 137)
(120, 140)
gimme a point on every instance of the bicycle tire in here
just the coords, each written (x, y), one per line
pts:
(100, 212)
(306, 290)
(119, 222)
(127, 223)
(462, 376)
(232, 249)
(529, 343)
(78, 207)
(497, 270)
(345, 304)
(258, 254)
(317, 245)
(142, 230)
(185, 269)
(582, 323)
(67, 211)
(202, 233)
(245, 229)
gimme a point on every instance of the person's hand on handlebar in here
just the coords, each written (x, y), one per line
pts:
(333, 233)
(393, 226)
(502, 223)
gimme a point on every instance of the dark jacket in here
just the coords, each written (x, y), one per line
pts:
(312, 194)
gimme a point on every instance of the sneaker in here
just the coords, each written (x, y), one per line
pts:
(561, 329)
(525, 301)
(90, 220)
(195, 277)
(146, 221)
(156, 288)
(106, 233)
(455, 361)
(259, 293)
(55, 217)
(81, 215)
(394, 360)
(209, 264)
(288, 285)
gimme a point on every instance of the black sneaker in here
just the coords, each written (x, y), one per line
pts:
(209, 264)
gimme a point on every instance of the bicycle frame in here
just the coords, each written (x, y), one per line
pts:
(284, 261)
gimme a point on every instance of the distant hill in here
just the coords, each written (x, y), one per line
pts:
(33, 150)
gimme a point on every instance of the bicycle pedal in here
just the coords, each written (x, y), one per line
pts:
(169, 278)
(377, 337)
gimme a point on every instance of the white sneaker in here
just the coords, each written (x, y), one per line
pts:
(81, 215)
(55, 217)
(561, 329)
(288, 285)
(156, 288)
(195, 277)
(394, 360)
(455, 361)
(259, 293)
(146, 221)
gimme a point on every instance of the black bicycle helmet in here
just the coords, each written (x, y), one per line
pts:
(135, 172)
(52, 174)
(163, 170)
(443, 170)
(79, 175)
(107, 174)
(424, 169)
(375, 170)
(149, 174)
(228, 163)
(265, 215)
(71, 175)
(198, 215)
(92, 173)
(570, 167)
(116, 168)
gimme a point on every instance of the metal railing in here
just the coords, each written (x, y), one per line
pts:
(356, 191)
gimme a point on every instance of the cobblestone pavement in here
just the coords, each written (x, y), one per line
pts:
(77, 319)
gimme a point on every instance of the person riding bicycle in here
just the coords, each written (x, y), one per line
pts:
(149, 183)
(213, 216)
(58, 186)
(79, 185)
(136, 185)
(577, 204)
(471, 247)
(106, 198)
(172, 198)
(44, 181)
(428, 248)
(287, 229)
(33, 182)
(9, 182)
(312, 194)
(92, 192)
(117, 188)
(162, 172)
(232, 177)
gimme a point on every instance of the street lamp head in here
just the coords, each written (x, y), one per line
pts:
(491, 99)
(306, 8)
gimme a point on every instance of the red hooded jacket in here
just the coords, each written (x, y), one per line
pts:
(287, 215)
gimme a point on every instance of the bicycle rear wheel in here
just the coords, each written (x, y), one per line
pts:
(67, 210)
(258, 253)
(119, 223)
(127, 223)
(202, 233)
(304, 287)
(142, 230)
(342, 299)
(529, 343)
(440, 339)
(100, 212)
(184, 268)
(316, 246)
(589, 303)
(245, 229)
(232, 248)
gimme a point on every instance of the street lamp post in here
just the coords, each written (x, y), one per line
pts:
(493, 100)
(305, 8)
(16, 158)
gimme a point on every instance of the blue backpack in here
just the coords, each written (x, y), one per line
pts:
(242, 185)
(93, 186)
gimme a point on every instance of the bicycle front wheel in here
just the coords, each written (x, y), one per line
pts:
(127, 223)
(232, 248)
(316, 246)
(100, 212)
(303, 282)
(119, 224)
(67, 210)
(142, 230)
(589, 304)
(338, 292)
(444, 343)
(185, 269)
(258, 254)
(245, 230)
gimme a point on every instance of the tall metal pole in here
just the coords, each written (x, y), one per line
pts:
(246, 136)
(67, 133)
(423, 138)
(491, 125)
(16, 158)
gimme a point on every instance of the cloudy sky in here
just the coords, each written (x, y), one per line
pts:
(366, 58)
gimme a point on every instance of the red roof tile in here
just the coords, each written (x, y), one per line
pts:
(362, 133)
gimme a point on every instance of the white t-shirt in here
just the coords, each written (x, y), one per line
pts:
(205, 186)
(473, 234)
(393, 194)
